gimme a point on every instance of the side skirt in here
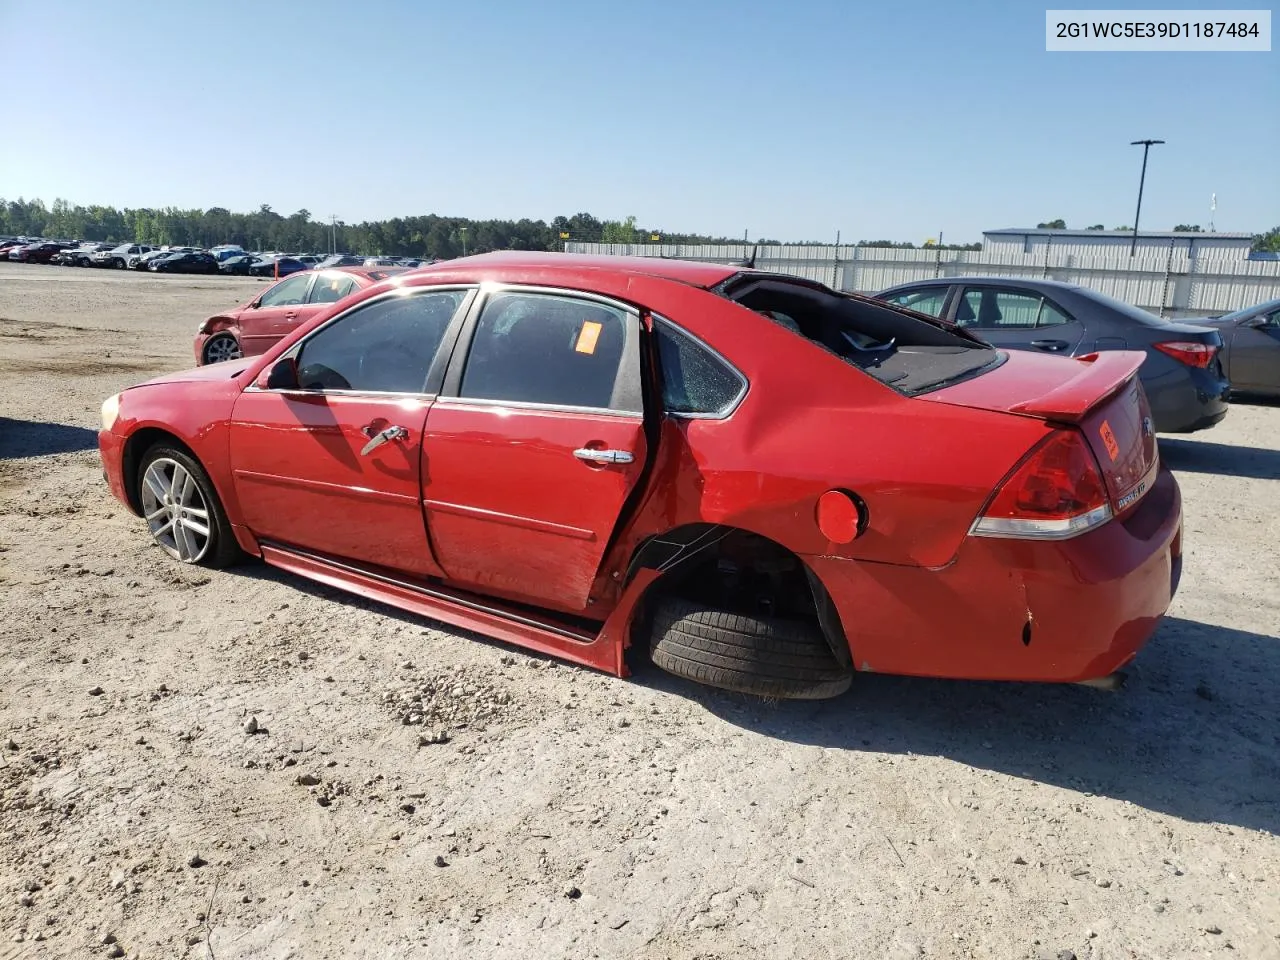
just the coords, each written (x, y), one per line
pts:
(454, 607)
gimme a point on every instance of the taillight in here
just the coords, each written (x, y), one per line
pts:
(1193, 354)
(1056, 492)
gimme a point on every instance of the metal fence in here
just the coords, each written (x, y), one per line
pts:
(1168, 283)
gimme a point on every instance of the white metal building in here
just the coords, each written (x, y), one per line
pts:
(1112, 243)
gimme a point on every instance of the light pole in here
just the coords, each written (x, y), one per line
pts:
(1146, 146)
(333, 232)
(463, 231)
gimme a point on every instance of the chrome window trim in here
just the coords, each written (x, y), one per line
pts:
(399, 291)
(538, 407)
(728, 409)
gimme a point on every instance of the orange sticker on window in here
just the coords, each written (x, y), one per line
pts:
(588, 336)
(1109, 440)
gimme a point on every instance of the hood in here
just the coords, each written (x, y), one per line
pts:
(214, 371)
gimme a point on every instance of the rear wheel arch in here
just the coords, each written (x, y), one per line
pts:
(686, 556)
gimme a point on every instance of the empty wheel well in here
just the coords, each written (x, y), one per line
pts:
(135, 449)
(741, 572)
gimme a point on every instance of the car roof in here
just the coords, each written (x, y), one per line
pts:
(705, 275)
(990, 282)
(372, 274)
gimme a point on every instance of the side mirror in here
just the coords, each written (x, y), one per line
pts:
(1255, 323)
(283, 375)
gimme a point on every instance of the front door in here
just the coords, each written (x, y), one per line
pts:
(279, 310)
(1255, 354)
(335, 466)
(1017, 320)
(535, 446)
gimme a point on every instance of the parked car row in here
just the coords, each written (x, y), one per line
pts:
(227, 258)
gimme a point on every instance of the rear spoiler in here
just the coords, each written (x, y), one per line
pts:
(1099, 376)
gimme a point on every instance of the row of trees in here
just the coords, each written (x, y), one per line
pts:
(429, 236)
(426, 236)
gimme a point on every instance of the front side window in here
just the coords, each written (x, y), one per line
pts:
(694, 381)
(928, 301)
(330, 288)
(541, 348)
(386, 346)
(287, 293)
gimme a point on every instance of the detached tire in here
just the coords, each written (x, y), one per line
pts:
(783, 659)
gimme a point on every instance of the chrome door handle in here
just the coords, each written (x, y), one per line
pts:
(381, 437)
(1051, 345)
(604, 456)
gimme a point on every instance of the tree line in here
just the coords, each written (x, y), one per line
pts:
(430, 236)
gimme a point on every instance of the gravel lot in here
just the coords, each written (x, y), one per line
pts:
(569, 814)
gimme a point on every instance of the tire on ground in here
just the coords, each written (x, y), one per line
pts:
(224, 550)
(784, 659)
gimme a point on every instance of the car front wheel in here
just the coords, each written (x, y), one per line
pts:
(182, 510)
(222, 347)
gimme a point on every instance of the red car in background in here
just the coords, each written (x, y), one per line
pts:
(42, 252)
(767, 484)
(279, 310)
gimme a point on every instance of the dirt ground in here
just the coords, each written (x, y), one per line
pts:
(569, 814)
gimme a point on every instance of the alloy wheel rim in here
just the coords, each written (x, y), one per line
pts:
(176, 512)
(222, 348)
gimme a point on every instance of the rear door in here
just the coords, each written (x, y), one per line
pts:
(273, 314)
(1255, 354)
(1017, 319)
(535, 445)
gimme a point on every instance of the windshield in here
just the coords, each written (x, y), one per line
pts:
(1250, 311)
(1119, 306)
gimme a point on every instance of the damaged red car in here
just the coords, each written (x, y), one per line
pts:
(763, 484)
(277, 311)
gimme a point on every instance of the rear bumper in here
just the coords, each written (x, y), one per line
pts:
(1185, 399)
(1018, 610)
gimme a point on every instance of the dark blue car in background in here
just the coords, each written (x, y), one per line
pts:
(1182, 375)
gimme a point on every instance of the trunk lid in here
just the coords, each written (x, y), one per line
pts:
(1099, 393)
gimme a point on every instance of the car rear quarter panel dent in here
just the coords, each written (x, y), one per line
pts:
(924, 473)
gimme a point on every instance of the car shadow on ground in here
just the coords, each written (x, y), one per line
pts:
(31, 438)
(1228, 460)
(1193, 734)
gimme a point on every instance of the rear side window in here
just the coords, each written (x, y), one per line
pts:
(541, 348)
(992, 307)
(387, 346)
(694, 381)
(331, 289)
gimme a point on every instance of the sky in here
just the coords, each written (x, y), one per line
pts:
(785, 120)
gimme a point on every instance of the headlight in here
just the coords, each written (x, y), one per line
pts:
(110, 410)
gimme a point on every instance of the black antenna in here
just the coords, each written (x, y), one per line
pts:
(751, 260)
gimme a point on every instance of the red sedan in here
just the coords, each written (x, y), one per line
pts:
(278, 311)
(767, 484)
